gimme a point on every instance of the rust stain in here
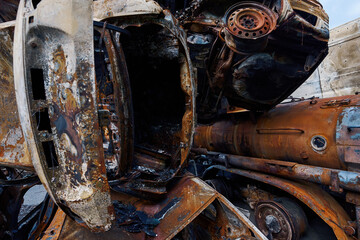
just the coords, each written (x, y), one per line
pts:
(13, 148)
(68, 133)
(53, 231)
(306, 132)
(173, 214)
(92, 127)
(313, 196)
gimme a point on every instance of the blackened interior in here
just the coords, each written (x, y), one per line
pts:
(152, 56)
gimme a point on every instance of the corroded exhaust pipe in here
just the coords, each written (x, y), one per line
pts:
(322, 133)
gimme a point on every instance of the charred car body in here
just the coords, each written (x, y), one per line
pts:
(101, 101)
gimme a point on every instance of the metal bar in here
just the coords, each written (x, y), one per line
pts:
(28, 181)
(327, 176)
(111, 27)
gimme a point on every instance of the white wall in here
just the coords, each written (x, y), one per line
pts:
(339, 73)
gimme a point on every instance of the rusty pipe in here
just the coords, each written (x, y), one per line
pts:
(336, 179)
(318, 132)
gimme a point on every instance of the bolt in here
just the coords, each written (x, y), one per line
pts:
(272, 224)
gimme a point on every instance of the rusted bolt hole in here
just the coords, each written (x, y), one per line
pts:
(319, 143)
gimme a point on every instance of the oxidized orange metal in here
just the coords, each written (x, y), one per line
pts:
(325, 206)
(253, 195)
(52, 232)
(336, 179)
(13, 148)
(310, 6)
(287, 133)
(248, 25)
(44, 221)
(251, 22)
(183, 204)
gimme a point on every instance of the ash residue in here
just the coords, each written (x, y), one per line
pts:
(134, 221)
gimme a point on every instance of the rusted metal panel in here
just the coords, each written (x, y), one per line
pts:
(61, 41)
(13, 148)
(180, 207)
(338, 74)
(310, 6)
(314, 132)
(53, 231)
(312, 18)
(348, 135)
(325, 206)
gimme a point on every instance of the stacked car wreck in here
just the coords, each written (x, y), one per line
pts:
(166, 119)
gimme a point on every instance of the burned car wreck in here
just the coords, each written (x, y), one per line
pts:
(165, 119)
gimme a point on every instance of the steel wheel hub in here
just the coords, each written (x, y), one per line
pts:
(281, 219)
(272, 220)
(251, 21)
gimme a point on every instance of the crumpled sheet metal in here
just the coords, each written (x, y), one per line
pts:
(295, 22)
(324, 205)
(311, 6)
(57, 38)
(187, 199)
(13, 148)
(114, 8)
